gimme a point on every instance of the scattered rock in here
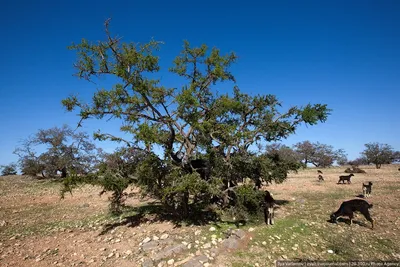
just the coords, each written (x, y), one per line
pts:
(147, 263)
(251, 229)
(155, 238)
(164, 236)
(231, 243)
(147, 239)
(207, 246)
(330, 251)
(239, 233)
(198, 232)
(170, 262)
(150, 245)
(212, 229)
(169, 251)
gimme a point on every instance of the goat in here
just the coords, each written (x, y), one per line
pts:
(201, 166)
(347, 208)
(367, 189)
(343, 178)
(320, 172)
(320, 178)
(269, 204)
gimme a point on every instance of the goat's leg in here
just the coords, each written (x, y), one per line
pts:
(368, 217)
(271, 215)
(351, 216)
(266, 215)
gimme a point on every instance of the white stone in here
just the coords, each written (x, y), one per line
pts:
(212, 229)
(330, 251)
(170, 262)
(147, 239)
(164, 236)
(251, 229)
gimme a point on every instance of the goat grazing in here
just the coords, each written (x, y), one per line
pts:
(320, 172)
(349, 207)
(343, 178)
(320, 178)
(269, 204)
(367, 189)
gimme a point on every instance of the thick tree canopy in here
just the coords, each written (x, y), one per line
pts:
(197, 128)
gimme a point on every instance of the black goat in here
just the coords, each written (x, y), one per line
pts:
(269, 204)
(320, 178)
(343, 178)
(349, 207)
(320, 172)
(202, 166)
(367, 189)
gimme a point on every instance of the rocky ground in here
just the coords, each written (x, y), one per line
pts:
(37, 228)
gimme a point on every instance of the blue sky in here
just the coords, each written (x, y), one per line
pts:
(342, 53)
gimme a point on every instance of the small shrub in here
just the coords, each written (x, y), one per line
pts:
(354, 170)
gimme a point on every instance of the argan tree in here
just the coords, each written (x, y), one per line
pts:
(379, 154)
(204, 137)
(10, 169)
(65, 151)
(320, 155)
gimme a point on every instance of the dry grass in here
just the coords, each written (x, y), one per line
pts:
(40, 229)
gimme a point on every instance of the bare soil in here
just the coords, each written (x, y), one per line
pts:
(37, 228)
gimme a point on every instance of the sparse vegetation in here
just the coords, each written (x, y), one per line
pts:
(354, 169)
(43, 226)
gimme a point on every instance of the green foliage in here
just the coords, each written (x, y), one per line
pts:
(190, 124)
(66, 152)
(379, 154)
(10, 169)
(247, 202)
(320, 155)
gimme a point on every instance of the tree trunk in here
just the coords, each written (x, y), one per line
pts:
(185, 204)
(63, 172)
(378, 166)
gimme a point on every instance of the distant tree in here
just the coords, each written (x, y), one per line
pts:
(305, 150)
(359, 161)
(379, 154)
(320, 155)
(199, 135)
(285, 154)
(341, 157)
(66, 151)
(396, 156)
(10, 169)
